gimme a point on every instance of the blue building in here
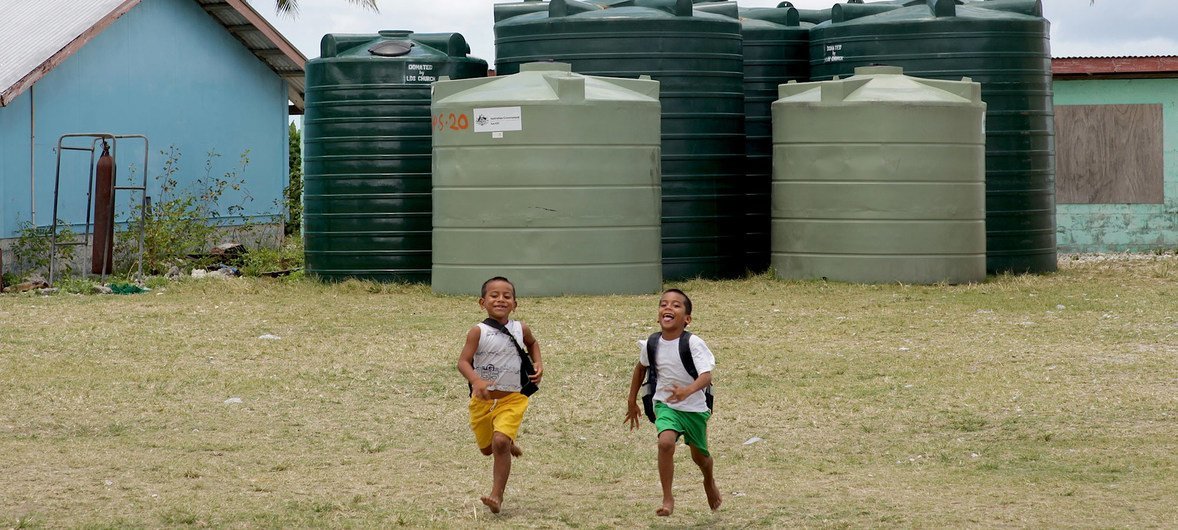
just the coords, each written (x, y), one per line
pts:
(195, 77)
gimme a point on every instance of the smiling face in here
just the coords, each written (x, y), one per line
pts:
(498, 299)
(673, 314)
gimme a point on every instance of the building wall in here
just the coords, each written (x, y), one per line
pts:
(166, 70)
(1124, 227)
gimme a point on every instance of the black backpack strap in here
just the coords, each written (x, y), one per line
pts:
(689, 364)
(527, 387)
(652, 349)
(685, 354)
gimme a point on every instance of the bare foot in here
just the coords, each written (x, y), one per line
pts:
(665, 509)
(516, 451)
(491, 502)
(714, 498)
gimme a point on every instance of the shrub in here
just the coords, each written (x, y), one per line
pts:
(263, 260)
(293, 194)
(179, 227)
(31, 249)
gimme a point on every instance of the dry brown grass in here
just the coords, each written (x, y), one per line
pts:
(1023, 401)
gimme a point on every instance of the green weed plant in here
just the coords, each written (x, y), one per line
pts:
(32, 247)
(184, 221)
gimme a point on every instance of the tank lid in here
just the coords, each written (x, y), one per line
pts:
(546, 67)
(777, 16)
(878, 70)
(395, 33)
(537, 83)
(931, 10)
(524, 12)
(391, 48)
(883, 84)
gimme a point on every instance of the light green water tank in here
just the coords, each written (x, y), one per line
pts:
(549, 178)
(879, 178)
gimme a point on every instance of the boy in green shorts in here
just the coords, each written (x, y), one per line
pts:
(681, 405)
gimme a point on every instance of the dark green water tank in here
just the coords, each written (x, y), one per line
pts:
(1002, 44)
(366, 160)
(696, 57)
(776, 51)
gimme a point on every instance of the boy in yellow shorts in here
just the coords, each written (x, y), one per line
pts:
(680, 403)
(502, 374)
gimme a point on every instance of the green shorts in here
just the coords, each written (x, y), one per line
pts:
(692, 425)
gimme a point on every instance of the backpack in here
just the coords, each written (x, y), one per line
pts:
(652, 347)
(526, 369)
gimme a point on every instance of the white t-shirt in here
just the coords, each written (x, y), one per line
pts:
(672, 373)
(496, 359)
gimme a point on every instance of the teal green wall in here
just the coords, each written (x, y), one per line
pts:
(1124, 227)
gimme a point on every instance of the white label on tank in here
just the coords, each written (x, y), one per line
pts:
(833, 53)
(497, 134)
(496, 119)
(419, 73)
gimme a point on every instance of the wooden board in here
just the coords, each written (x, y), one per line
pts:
(1108, 154)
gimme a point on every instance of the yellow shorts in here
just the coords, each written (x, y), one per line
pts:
(497, 415)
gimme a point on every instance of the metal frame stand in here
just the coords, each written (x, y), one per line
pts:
(97, 138)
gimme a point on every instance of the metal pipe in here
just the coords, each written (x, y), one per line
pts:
(32, 158)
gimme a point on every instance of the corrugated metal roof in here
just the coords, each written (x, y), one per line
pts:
(37, 35)
(264, 40)
(1115, 57)
(1128, 67)
(34, 32)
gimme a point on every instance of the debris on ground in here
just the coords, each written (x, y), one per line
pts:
(230, 253)
(753, 440)
(31, 285)
(286, 272)
(233, 401)
(216, 271)
(269, 337)
(173, 273)
(126, 288)
(224, 270)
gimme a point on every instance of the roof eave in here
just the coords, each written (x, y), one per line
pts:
(282, 48)
(1115, 67)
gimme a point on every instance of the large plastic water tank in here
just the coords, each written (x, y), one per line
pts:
(366, 160)
(879, 178)
(696, 56)
(549, 178)
(1002, 44)
(776, 50)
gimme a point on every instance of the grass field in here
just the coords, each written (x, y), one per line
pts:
(1026, 401)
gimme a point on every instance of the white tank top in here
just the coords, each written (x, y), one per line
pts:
(496, 359)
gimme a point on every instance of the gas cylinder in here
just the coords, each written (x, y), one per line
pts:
(102, 256)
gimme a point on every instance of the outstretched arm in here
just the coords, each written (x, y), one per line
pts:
(466, 364)
(632, 410)
(533, 347)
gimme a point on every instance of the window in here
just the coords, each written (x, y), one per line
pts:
(1108, 154)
